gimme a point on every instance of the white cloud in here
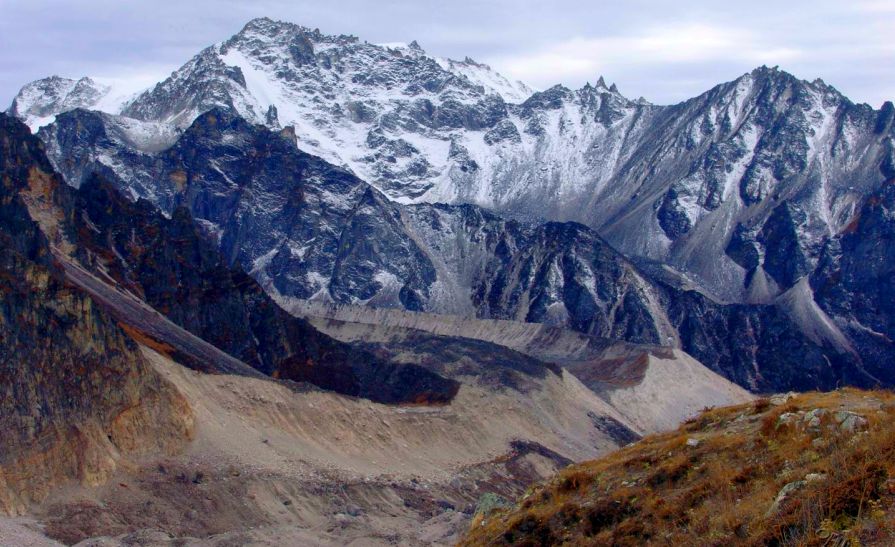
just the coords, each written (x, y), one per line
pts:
(584, 58)
(876, 6)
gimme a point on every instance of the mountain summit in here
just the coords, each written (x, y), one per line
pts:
(719, 187)
(730, 200)
(404, 284)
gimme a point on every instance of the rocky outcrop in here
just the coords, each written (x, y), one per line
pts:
(855, 281)
(77, 397)
(767, 161)
(744, 343)
(307, 230)
(169, 264)
(827, 465)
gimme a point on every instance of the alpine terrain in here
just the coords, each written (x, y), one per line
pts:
(314, 290)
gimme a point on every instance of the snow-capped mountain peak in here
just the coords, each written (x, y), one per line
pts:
(493, 82)
(704, 185)
(38, 102)
(391, 113)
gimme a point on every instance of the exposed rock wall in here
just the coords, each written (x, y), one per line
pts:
(76, 397)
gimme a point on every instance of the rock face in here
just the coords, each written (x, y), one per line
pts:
(733, 204)
(39, 101)
(855, 281)
(77, 396)
(169, 264)
(739, 187)
(745, 343)
(307, 230)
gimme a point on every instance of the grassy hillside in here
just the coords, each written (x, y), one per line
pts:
(811, 469)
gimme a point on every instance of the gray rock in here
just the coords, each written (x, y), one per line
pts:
(353, 510)
(781, 398)
(815, 477)
(813, 418)
(850, 422)
(788, 419)
(788, 490)
(489, 501)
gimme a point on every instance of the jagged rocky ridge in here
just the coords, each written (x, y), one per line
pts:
(343, 109)
(855, 280)
(168, 263)
(732, 196)
(725, 187)
(313, 231)
(308, 230)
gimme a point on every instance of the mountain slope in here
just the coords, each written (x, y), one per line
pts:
(743, 184)
(78, 400)
(307, 230)
(382, 111)
(153, 441)
(812, 469)
(724, 187)
(724, 203)
(169, 264)
(854, 283)
(653, 387)
(89, 404)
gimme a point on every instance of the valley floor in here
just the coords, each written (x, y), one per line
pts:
(271, 466)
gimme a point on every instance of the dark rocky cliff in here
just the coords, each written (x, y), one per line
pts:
(76, 395)
(169, 263)
(306, 229)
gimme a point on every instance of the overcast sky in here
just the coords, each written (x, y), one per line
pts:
(664, 51)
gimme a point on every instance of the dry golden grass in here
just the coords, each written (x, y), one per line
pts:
(663, 491)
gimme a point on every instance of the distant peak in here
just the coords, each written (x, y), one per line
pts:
(260, 21)
(558, 88)
(765, 69)
(776, 74)
(472, 62)
(55, 80)
(414, 45)
(766, 73)
(600, 91)
(263, 24)
(267, 28)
